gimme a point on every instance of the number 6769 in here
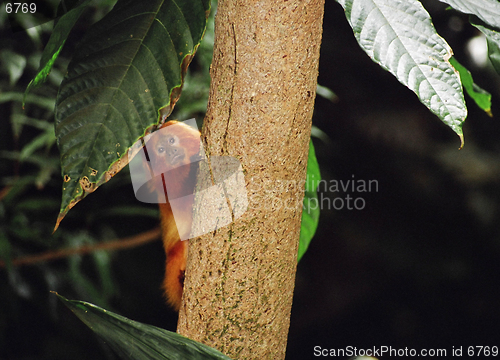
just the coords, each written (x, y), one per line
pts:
(20, 8)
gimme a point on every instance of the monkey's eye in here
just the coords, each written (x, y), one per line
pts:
(172, 140)
(161, 149)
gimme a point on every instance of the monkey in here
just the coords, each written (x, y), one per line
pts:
(173, 152)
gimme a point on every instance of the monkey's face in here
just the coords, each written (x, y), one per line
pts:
(172, 146)
(169, 151)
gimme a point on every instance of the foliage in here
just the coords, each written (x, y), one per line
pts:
(30, 182)
(481, 97)
(128, 67)
(400, 37)
(310, 210)
(30, 186)
(136, 341)
(39, 151)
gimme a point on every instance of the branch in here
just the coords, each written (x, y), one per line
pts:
(116, 244)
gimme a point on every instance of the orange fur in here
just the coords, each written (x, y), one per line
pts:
(168, 150)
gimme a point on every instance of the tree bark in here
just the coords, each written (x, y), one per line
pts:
(239, 279)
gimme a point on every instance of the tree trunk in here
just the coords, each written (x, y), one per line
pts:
(240, 279)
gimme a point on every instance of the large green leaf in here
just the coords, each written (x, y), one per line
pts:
(62, 28)
(130, 65)
(486, 10)
(136, 341)
(310, 211)
(399, 36)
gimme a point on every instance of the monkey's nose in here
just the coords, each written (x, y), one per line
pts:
(172, 152)
(174, 155)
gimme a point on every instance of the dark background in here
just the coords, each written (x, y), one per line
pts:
(416, 268)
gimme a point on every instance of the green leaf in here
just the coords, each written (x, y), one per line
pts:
(56, 42)
(486, 10)
(136, 341)
(130, 65)
(493, 40)
(43, 102)
(45, 139)
(310, 210)
(13, 63)
(327, 93)
(481, 97)
(400, 37)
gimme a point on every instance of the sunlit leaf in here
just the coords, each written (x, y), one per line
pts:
(486, 10)
(400, 37)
